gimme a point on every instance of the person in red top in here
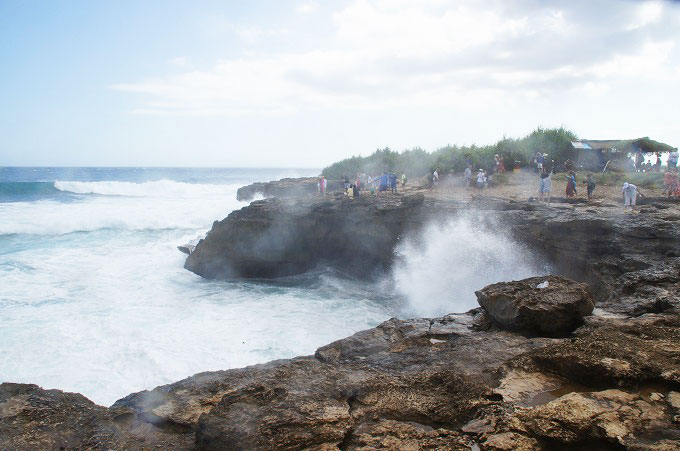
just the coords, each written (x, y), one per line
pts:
(668, 182)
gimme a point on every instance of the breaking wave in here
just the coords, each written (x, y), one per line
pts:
(439, 271)
(160, 188)
(91, 206)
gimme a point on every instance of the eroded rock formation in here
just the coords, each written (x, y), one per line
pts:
(285, 188)
(280, 237)
(453, 382)
(546, 305)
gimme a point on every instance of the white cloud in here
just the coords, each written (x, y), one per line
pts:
(646, 13)
(179, 61)
(385, 54)
(307, 7)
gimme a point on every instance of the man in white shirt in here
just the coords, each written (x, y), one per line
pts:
(630, 193)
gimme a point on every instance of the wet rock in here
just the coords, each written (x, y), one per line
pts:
(610, 417)
(33, 418)
(287, 187)
(391, 386)
(186, 248)
(458, 381)
(391, 434)
(613, 352)
(549, 305)
(510, 441)
(617, 255)
(279, 237)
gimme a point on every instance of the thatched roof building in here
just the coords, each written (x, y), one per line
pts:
(595, 153)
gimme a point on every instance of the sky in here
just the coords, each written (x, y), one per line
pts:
(304, 83)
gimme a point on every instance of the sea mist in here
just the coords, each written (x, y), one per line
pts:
(439, 270)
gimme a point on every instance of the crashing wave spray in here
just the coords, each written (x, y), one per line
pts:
(439, 271)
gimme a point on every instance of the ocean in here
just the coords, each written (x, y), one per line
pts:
(94, 297)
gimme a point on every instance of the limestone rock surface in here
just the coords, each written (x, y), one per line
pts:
(287, 187)
(546, 305)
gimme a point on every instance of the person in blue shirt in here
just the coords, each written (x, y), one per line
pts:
(540, 159)
(383, 183)
(393, 182)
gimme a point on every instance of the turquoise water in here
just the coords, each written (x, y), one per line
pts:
(94, 298)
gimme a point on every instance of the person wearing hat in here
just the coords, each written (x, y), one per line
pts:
(630, 193)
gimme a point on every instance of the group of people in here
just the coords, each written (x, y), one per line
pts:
(630, 191)
(482, 179)
(545, 182)
(642, 166)
(387, 181)
(538, 161)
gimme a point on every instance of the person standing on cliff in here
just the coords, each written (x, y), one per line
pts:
(481, 180)
(571, 185)
(435, 177)
(393, 181)
(467, 177)
(630, 193)
(540, 159)
(322, 185)
(545, 186)
(403, 180)
(590, 186)
(673, 159)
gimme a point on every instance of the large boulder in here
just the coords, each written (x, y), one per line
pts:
(547, 305)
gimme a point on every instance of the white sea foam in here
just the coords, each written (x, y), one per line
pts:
(160, 188)
(114, 312)
(164, 205)
(439, 271)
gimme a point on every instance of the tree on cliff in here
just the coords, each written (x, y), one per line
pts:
(556, 142)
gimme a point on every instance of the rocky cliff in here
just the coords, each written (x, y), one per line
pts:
(603, 247)
(284, 188)
(279, 237)
(456, 382)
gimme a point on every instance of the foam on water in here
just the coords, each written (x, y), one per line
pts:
(159, 188)
(131, 206)
(109, 317)
(94, 298)
(439, 271)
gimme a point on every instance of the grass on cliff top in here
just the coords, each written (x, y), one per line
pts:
(641, 179)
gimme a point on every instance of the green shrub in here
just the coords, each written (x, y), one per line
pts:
(418, 163)
(641, 179)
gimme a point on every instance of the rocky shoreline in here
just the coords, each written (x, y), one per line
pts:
(285, 188)
(462, 381)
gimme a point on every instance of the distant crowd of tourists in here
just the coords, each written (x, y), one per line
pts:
(640, 165)
(372, 183)
(629, 191)
(545, 168)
